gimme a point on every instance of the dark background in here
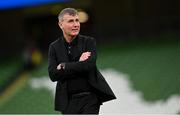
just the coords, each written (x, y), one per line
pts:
(128, 20)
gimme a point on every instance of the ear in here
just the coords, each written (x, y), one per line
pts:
(60, 24)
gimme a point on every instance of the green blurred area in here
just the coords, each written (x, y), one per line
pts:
(8, 68)
(28, 100)
(152, 67)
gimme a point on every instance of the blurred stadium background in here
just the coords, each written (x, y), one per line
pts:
(140, 38)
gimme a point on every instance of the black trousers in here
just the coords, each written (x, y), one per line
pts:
(83, 104)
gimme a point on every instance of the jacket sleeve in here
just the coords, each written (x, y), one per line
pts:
(86, 65)
(71, 67)
(54, 74)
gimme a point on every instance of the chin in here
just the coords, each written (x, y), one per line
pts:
(74, 34)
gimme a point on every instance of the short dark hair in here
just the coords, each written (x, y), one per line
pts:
(70, 11)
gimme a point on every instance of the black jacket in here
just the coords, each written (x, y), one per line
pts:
(57, 54)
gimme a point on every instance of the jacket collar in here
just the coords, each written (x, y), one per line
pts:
(74, 41)
(63, 49)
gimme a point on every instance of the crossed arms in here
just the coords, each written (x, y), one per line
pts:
(58, 71)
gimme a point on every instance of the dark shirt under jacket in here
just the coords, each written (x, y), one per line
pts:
(77, 82)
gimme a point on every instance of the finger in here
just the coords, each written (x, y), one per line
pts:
(87, 52)
(85, 55)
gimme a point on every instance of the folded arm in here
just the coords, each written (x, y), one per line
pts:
(54, 74)
(86, 62)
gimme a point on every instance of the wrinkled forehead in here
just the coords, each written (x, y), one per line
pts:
(70, 16)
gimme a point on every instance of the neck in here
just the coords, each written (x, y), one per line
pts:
(69, 38)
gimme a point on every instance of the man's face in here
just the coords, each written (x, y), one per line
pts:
(70, 25)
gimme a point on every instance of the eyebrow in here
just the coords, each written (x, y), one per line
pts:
(72, 19)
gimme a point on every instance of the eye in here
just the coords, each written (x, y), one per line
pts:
(70, 21)
(77, 20)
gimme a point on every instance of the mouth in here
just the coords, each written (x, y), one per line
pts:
(75, 30)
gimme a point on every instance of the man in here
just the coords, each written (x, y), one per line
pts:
(80, 88)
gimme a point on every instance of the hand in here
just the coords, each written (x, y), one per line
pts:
(84, 56)
(61, 66)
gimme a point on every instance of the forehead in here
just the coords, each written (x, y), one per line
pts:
(68, 17)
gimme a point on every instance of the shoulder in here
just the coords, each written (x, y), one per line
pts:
(55, 43)
(86, 38)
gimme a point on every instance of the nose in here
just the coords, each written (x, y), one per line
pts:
(76, 23)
